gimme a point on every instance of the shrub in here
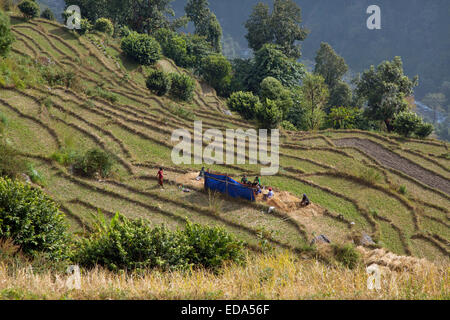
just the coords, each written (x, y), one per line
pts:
(245, 103)
(94, 161)
(32, 220)
(269, 114)
(343, 118)
(65, 156)
(60, 77)
(286, 125)
(173, 46)
(406, 123)
(347, 255)
(11, 164)
(402, 189)
(370, 175)
(182, 86)
(103, 93)
(125, 244)
(48, 14)
(85, 26)
(211, 247)
(272, 89)
(6, 36)
(104, 25)
(424, 130)
(158, 82)
(142, 48)
(29, 8)
(216, 71)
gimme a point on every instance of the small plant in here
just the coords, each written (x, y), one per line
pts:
(94, 161)
(214, 201)
(104, 25)
(158, 82)
(103, 93)
(347, 255)
(182, 86)
(370, 175)
(35, 175)
(181, 112)
(65, 156)
(48, 14)
(402, 189)
(29, 8)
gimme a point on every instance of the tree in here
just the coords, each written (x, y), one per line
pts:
(29, 8)
(281, 27)
(269, 61)
(344, 118)
(245, 103)
(6, 36)
(435, 101)
(315, 95)
(332, 68)
(205, 22)
(384, 89)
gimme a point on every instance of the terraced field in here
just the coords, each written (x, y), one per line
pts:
(352, 177)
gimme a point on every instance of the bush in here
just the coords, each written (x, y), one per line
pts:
(104, 25)
(94, 161)
(48, 14)
(370, 175)
(173, 46)
(29, 8)
(424, 130)
(272, 89)
(286, 125)
(124, 244)
(407, 122)
(142, 48)
(182, 86)
(216, 71)
(343, 118)
(269, 114)
(32, 220)
(245, 103)
(59, 77)
(347, 255)
(158, 82)
(211, 247)
(6, 36)
(85, 26)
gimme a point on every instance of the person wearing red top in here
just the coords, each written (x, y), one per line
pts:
(160, 175)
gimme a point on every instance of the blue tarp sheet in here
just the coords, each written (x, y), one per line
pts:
(226, 185)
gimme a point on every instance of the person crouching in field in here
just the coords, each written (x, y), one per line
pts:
(160, 176)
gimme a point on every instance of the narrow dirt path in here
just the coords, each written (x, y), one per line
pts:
(392, 160)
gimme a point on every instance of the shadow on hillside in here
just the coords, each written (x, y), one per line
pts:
(17, 20)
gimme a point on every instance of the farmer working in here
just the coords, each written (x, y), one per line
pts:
(160, 175)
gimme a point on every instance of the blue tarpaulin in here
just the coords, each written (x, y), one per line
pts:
(226, 185)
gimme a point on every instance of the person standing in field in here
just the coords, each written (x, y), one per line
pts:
(160, 175)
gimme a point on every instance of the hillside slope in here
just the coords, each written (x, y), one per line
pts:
(352, 177)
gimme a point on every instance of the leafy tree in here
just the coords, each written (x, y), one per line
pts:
(245, 103)
(158, 82)
(173, 46)
(281, 27)
(216, 71)
(344, 118)
(85, 26)
(104, 25)
(142, 48)
(269, 114)
(340, 95)
(205, 22)
(197, 49)
(182, 86)
(269, 61)
(272, 89)
(315, 95)
(32, 220)
(330, 65)
(384, 90)
(6, 36)
(48, 14)
(29, 8)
